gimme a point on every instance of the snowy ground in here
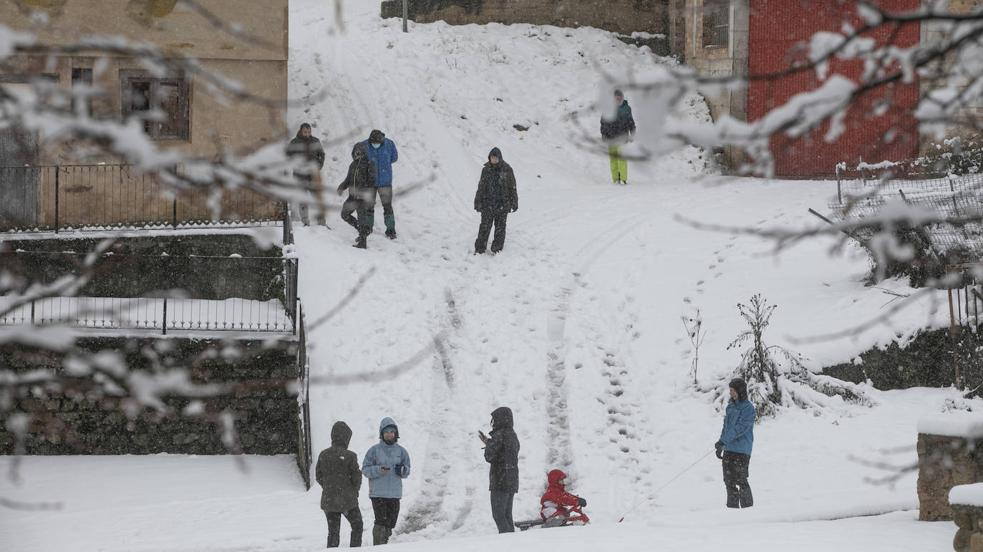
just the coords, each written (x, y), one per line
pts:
(576, 326)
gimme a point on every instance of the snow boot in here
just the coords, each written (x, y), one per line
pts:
(380, 535)
(360, 243)
(390, 226)
(391, 234)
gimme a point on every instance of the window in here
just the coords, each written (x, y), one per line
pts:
(82, 77)
(161, 103)
(716, 23)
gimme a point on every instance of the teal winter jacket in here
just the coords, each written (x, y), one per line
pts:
(386, 483)
(737, 434)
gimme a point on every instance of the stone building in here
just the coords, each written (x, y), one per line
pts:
(193, 118)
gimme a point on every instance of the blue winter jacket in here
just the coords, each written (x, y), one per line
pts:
(384, 156)
(386, 484)
(738, 432)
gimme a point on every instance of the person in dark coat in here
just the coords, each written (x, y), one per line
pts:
(360, 183)
(502, 453)
(495, 199)
(340, 479)
(308, 149)
(616, 132)
(734, 446)
(382, 151)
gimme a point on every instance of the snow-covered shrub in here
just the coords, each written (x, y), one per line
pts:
(776, 377)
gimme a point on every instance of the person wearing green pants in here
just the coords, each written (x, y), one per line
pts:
(616, 132)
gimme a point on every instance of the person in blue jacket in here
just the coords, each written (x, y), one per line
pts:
(734, 446)
(386, 465)
(382, 152)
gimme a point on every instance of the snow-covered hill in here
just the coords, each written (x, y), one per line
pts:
(576, 326)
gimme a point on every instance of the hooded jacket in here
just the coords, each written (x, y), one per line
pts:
(386, 483)
(383, 157)
(361, 173)
(556, 501)
(337, 472)
(737, 434)
(622, 124)
(496, 187)
(309, 149)
(502, 452)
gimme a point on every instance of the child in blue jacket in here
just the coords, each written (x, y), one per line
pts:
(386, 465)
(734, 446)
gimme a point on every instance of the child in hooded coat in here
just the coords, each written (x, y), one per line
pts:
(386, 465)
(559, 507)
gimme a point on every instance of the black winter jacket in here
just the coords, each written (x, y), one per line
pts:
(496, 189)
(337, 472)
(361, 172)
(502, 452)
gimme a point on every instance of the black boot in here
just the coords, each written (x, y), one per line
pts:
(380, 535)
(360, 242)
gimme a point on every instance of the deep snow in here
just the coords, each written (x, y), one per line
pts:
(576, 326)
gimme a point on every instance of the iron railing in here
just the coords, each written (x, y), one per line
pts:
(305, 455)
(91, 197)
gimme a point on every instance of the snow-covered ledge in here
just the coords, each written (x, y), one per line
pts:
(967, 511)
(947, 457)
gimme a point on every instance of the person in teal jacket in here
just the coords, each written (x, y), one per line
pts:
(386, 465)
(734, 446)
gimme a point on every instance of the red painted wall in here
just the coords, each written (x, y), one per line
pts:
(780, 31)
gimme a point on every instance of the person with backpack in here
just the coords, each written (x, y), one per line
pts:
(495, 199)
(616, 132)
(360, 183)
(340, 479)
(502, 453)
(386, 465)
(735, 443)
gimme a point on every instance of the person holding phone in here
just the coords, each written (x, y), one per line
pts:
(386, 465)
(502, 452)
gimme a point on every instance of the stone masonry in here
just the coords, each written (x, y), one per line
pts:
(944, 462)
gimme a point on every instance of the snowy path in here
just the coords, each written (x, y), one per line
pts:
(576, 326)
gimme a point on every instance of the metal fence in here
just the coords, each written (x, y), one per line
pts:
(304, 447)
(71, 197)
(949, 196)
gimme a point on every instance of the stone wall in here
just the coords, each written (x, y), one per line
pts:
(969, 520)
(261, 396)
(944, 462)
(212, 266)
(620, 16)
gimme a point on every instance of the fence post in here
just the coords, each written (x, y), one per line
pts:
(57, 186)
(32, 312)
(839, 193)
(163, 323)
(174, 212)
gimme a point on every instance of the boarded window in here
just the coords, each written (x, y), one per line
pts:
(716, 23)
(82, 77)
(163, 104)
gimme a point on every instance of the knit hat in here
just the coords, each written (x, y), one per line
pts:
(740, 386)
(376, 137)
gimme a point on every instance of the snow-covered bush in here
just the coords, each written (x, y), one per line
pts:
(776, 377)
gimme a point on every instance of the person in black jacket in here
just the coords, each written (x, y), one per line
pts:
(616, 132)
(502, 452)
(340, 479)
(495, 199)
(360, 183)
(308, 149)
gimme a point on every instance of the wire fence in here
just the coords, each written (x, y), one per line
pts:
(954, 197)
(92, 197)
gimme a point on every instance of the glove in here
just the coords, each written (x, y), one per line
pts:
(400, 470)
(515, 208)
(582, 502)
(719, 446)
(341, 190)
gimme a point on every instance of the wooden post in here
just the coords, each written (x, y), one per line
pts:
(163, 324)
(57, 173)
(406, 15)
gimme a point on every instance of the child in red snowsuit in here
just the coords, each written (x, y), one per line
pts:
(557, 506)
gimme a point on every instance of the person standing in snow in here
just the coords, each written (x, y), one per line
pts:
(360, 184)
(734, 446)
(495, 199)
(617, 132)
(502, 452)
(308, 149)
(386, 465)
(382, 152)
(340, 479)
